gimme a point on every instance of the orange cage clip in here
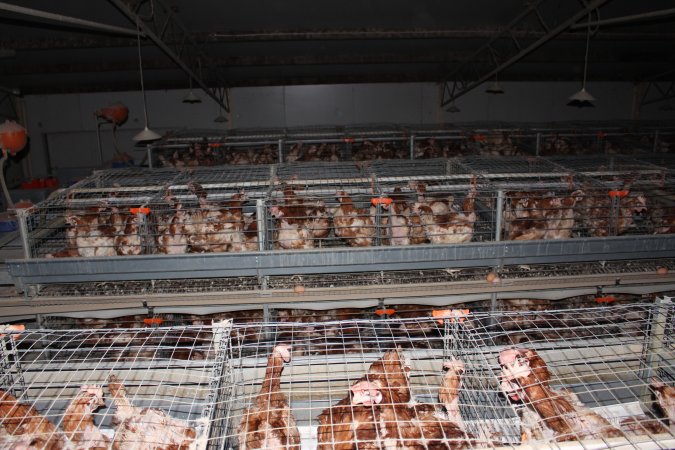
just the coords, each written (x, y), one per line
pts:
(385, 312)
(606, 299)
(386, 201)
(153, 321)
(145, 211)
(620, 194)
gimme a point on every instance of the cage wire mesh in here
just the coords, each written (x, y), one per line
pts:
(605, 359)
(132, 212)
(126, 388)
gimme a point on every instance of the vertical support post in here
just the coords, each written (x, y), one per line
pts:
(655, 148)
(499, 215)
(653, 351)
(22, 218)
(260, 217)
(280, 150)
(149, 150)
(268, 334)
(493, 309)
(412, 146)
(614, 211)
(537, 145)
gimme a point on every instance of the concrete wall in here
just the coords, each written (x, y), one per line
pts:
(62, 128)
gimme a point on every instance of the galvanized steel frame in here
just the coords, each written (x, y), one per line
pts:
(260, 264)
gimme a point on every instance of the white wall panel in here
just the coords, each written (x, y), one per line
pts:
(292, 106)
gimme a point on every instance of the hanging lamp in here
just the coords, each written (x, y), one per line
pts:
(582, 98)
(452, 108)
(147, 134)
(191, 97)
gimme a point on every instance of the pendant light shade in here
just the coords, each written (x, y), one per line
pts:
(220, 119)
(147, 134)
(452, 108)
(191, 97)
(582, 98)
(494, 88)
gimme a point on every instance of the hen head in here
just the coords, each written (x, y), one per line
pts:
(514, 366)
(366, 393)
(454, 365)
(91, 397)
(283, 351)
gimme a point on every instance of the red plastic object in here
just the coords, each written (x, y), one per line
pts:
(605, 299)
(620, 194)
(13, 137)
(145, 211)
(385, 312)
(153, 321)
(116, 113)
(381, 200)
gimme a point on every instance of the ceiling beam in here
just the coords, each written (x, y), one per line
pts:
(186, 53)
(65, 20)
(209, 38)
(463, 82)
(626, 19)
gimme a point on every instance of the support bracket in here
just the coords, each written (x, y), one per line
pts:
(504, 49)
(165, 30)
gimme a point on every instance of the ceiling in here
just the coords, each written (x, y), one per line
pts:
(271, 42)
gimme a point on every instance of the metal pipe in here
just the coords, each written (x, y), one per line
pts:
(59, 18)
(260, 218)
(412, 146)
(538, 144)
(280, 146)
(498, 213)
(625, 19)
(22, 218)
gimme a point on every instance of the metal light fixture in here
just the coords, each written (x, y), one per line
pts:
(147, 134)
(452, 108)
(494, 88)
(582, 98)
(220, 118)
(191, 97)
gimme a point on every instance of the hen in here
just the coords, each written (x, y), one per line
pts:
(78, 420)
(146, 428)
(665, 396)
(171, 237)
(268, 424)
(379, 413)
(212, 228)
(600, 218)
(532, 215)
(22, 427)
(559, 414)
(452, 227)
(293, 231)
(353, 225)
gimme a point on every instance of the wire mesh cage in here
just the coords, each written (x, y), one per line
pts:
(437, 201)
(113, 388)
(458, 380)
